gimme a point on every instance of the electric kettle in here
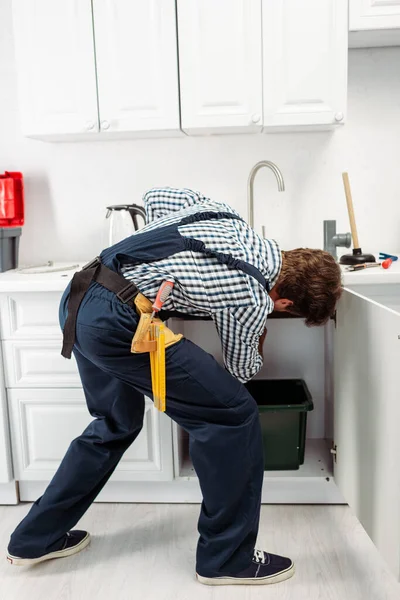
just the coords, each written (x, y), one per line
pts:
(122, 220)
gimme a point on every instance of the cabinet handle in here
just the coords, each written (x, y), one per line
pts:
(90, 125)
(339, 117)
(256, 118)
(105, 125)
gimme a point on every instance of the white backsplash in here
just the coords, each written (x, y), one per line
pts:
(68, 185)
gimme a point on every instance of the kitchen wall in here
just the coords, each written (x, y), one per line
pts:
(68, 185)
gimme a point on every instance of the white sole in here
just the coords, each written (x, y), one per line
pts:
(21, 562)
(248, 581)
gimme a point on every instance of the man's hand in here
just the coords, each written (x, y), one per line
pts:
(261, 343)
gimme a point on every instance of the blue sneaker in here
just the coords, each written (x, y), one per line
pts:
(73, 542)
(264, 569)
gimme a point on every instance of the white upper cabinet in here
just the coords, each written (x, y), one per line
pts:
(56, 67)
(304, 62)
(374, 14)
(108, 69)
(107, 66)
(220, 62)
(137, 67)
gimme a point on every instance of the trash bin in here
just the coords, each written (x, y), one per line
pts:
(9, 247)
(283, 405)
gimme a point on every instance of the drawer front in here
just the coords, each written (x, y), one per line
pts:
(44, 422)
(27, 315)
(38, 364)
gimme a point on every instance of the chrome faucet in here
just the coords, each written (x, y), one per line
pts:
(250, 187)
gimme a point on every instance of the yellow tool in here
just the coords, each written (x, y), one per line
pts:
(154, 337)
(153, 362)
(157, 364)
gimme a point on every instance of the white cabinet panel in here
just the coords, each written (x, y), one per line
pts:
(28, 315)
(56, 66)
(6, 472)
(137, 69)
(44, 422)
(220, 63)
(374, 14)
(38, 364)
(367, 417)
(304, 62)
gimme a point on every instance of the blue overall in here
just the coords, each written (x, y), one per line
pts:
(215, 409)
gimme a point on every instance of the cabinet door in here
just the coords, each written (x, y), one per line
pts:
(374, 14)
(220, 65)
(43, 423)
(56, 67)
(38, 364)
(305, 62)
(137, 65)
(367, 418)
(5, 447)
(30, 315)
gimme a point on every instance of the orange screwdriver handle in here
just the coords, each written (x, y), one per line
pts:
(162, 295)
(386, 263)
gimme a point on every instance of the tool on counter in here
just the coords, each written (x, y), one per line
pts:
(385, 265)
(357, 257)
(383, 255)
(154, 337)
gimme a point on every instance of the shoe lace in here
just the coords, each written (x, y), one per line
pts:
(259, 556)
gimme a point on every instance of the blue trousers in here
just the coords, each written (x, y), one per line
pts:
(215, 409)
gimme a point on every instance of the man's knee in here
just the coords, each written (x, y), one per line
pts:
(244, 405)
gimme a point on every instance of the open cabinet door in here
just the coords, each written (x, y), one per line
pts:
(367, 418)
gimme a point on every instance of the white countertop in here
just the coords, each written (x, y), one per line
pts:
(376, 275)
(14, 281)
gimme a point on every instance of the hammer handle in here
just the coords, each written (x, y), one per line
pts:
(350, 209)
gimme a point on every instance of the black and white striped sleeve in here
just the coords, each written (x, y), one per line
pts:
(240, 329)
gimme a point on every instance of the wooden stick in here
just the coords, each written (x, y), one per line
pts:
(350, 210)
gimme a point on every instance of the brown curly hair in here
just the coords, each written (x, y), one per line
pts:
(312, 280)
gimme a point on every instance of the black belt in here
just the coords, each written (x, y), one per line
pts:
(125, 291)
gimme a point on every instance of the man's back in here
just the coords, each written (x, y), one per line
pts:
(237, 302)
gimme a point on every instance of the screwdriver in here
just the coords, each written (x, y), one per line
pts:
(162, 295)
(385, 265)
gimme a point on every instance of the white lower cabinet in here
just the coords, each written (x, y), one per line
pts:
(374, 14)
(43, 406)
(30, 315)
(32, 364)
(45, 421)
(6, 470)
(46, 410)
